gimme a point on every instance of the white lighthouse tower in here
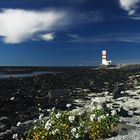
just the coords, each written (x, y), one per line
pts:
(104, 61)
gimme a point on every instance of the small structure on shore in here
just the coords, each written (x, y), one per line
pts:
(104, 61)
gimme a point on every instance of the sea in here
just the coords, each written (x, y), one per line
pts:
(6, 75)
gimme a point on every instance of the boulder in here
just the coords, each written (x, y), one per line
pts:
(117, 91)
(56, 93)
(122, 112)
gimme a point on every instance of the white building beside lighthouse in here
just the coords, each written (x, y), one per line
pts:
(104, 61)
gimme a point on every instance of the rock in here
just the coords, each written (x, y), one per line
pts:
(92, 95)
(7, 135)
(122, 112)
(123, 129)
(3, 118)
(56, 93)
(133, 108)
(130, 113)
(135, 97)
(2, 127)
(108, 101)
(79, 102)
(136, 82)
(115, 105)
(117, 91)
(92, 86)
(106, 93)
(104, 106)
(137, 87)
(137, 113)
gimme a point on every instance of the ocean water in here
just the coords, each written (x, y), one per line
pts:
(5, 75)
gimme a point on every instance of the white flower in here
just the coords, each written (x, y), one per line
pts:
(68, 105)
(73, 131)
(77, 136)
(99, 107)
(80, 113)
(92, 116)
(34, 127)
(107, 115)
(93, 108)
(34, 121)
(55, 131)
(82, 124)
(113, 112)
(102, 117)
(71, 118)
(15, 136)
(48, 125)
(19, 123)
(78, 127)
(53, 109)
(58, 115)
(99, 118)
(40, 117)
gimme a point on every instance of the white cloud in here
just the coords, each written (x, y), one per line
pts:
(129, 5)
(17, 25)
(48, 37)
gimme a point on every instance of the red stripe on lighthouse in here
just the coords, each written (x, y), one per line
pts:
(103, 54)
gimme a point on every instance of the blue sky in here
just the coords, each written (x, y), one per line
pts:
(68, 32)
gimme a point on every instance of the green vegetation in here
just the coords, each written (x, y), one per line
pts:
(67, 125)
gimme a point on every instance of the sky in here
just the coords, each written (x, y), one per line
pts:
(69, 32)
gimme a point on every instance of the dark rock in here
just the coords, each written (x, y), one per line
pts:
(2, 127)
(136, 82)
(124, 131)
(7, 135)
(117, 91)
(31, 93)
(133, 109)
(56, 93)
(122, 112)
(92, 86)
(136, 97)
(136, 113)
(3, 118)
(104, 106)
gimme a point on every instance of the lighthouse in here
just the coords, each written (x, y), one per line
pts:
(104, 61)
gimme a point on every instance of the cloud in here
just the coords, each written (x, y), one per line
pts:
(113, 37)
(129, 5)
(18, 25)
(90, 17)
(48, 37)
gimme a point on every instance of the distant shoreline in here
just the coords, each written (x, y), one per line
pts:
(30, 69)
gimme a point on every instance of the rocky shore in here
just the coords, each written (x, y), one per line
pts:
(24, 99)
